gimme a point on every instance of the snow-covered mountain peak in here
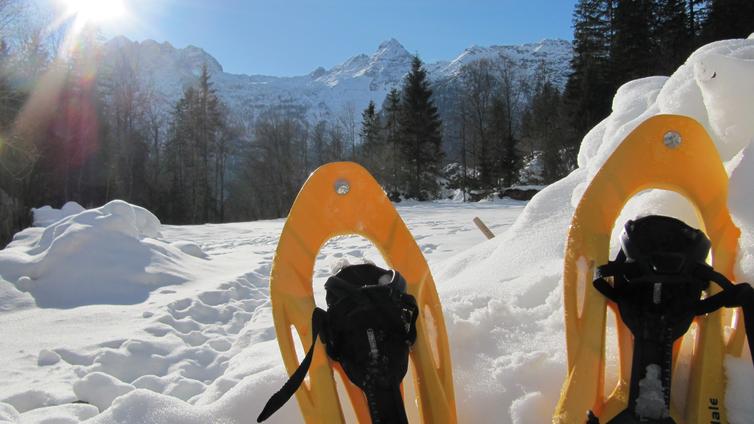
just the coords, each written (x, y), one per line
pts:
(385, 67)
(388, 64)
(391, 49)
(355, 63)
(391, 44)
(473, 49)
(322, 92)
(525, 58)
(197, 57)
(317, 72)
(548, 46)
(158, 57)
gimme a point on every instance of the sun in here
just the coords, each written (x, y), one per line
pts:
(94, 11)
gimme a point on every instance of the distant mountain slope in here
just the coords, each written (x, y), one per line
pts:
(323, 93)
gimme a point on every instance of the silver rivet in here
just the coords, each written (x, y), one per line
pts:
(672, 139)
(342, 187)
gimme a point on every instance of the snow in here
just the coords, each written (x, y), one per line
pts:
(179, 327)
(740, 388)
(651, 401)
(47, 215)
(61, 414)
(201, 350)
(100, 389)
(53, 264)
(555, 55)
(48, 357)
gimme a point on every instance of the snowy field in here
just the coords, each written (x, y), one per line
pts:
(191, 324)
(159, 324)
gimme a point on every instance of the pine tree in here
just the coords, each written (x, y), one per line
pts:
(588, 91)
(392, 111)
(633, 54)
(728, 19)
(196, 153)
(697, 11)
(370, 127)
(373, 150)
(209, 124)
(421, 137)
(546, 128)
(318, 138)
(673, 35)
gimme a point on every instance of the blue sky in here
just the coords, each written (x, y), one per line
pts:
(285, 37)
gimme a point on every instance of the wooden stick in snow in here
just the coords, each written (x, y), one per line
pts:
(483, 228)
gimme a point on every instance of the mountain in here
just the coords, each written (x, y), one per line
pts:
(323, 93)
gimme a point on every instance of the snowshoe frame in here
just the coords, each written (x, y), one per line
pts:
(342, 198)
(649, 157)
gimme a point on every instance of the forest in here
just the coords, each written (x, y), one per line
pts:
(91, 137)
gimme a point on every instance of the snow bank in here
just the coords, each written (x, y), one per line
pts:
(47, 215)
(107, 255)
(515, 366)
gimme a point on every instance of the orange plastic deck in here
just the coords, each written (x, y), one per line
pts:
(338, 199)
(643, 161)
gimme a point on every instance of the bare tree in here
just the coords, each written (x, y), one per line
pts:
(505, 109)
(11, 11)
(479, 85)
(347, 120)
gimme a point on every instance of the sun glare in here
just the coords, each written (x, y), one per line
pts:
(95, 11)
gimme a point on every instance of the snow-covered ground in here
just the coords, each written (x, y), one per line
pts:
(192, 325)
(172, 324)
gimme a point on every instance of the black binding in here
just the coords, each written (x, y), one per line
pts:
(289, 388)
(659, 276)
(369, 327)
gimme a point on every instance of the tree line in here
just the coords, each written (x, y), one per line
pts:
(616, 41)
(73, 130)
(504, 128)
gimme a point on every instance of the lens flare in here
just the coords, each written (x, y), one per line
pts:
(95, 11)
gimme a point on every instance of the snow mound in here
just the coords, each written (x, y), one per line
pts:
(8, 413)
(47, 215)
(11, 298)
(189, 248)
(60, 414)
(507, 337)
(100, 389)
(47, 357)
(107, 255)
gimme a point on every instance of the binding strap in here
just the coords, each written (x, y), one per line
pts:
(610, 269)
(319, 317)
(733, 295)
